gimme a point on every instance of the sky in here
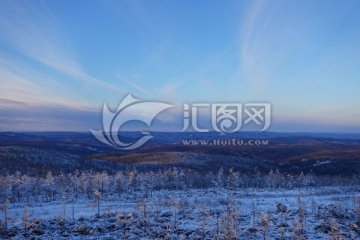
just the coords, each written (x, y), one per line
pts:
(60, 61)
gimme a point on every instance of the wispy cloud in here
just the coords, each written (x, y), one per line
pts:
(135, 86)
(31, 29)
(267, 34)
(52, 118)
(21, 83)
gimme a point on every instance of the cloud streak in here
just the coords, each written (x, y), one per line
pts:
(23, 83)
(268, 33)
(31, 29)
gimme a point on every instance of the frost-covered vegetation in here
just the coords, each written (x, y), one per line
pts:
(174, 204)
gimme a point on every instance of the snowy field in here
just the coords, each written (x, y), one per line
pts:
(213, 213)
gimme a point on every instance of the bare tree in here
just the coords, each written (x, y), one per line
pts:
(97, 195)
(335, 232)
(228, 225)
(63, 203)
(302, 215)
(4, 208)
(124, 221)
(49, 183)
(175, 208)
(203, 213)
(357, 209)
(72, 205)
(265, 223)
(25, 218)
(296, 234)
(142, 207)
(253, 212)
(282, 232)
(219, 180)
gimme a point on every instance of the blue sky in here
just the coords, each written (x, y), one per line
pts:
(61, 60)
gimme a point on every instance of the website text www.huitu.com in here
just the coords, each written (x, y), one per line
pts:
(226, 142)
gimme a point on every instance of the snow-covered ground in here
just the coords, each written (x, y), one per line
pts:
(214, 213)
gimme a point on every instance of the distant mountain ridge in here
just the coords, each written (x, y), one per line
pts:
(322, 153)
